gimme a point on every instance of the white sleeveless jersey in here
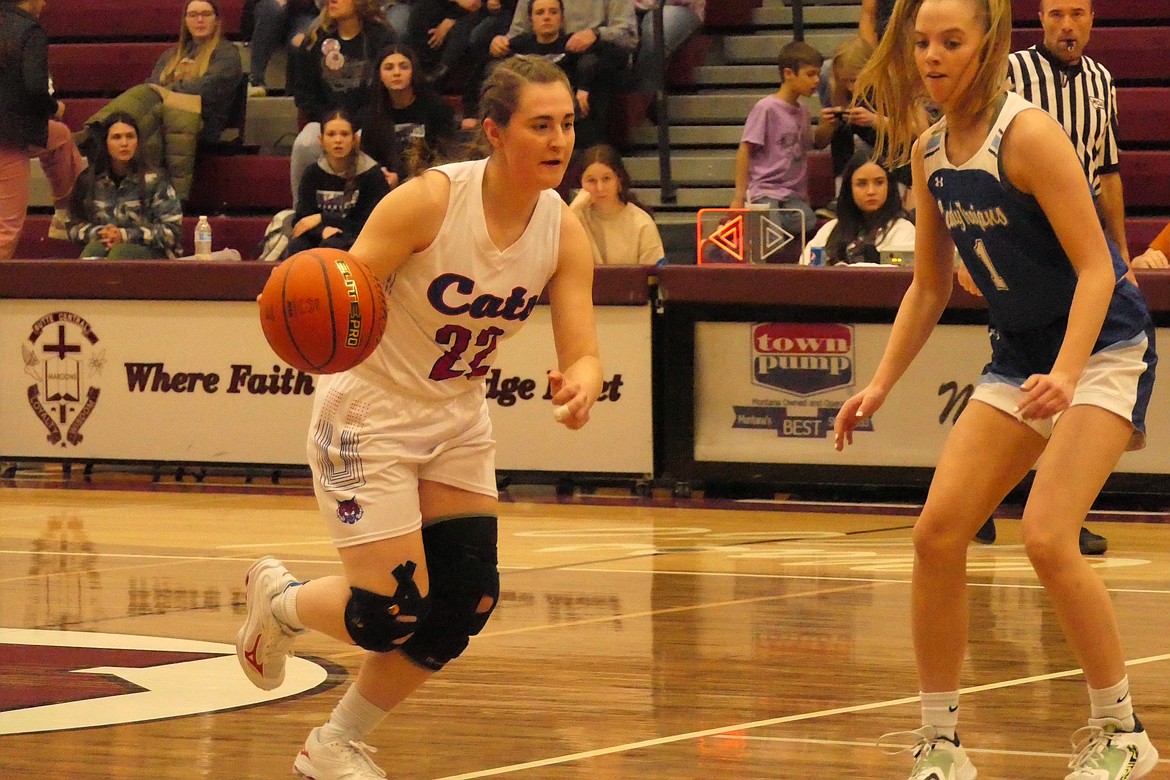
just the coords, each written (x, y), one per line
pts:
(452, 304)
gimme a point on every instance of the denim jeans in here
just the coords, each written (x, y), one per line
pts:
(679, 23)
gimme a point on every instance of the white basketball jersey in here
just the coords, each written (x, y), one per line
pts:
(452, 304)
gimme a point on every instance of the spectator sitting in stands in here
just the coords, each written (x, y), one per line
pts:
(771, 166)
(339, 192)
(853, 121)
(28, 124)
(869, 219)
(622, 231)
(854, 127)
(121, 209)
(405, 117)
(440, 32)
(336, 66)
(187, 99)
(1157, 253)
(548, 39)
(495, 19)
(275, 22)
(680, 20)
(608, 30)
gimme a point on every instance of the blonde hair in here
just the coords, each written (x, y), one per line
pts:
(202, 59)
(367, 11)
(891, 83)
(851, 55)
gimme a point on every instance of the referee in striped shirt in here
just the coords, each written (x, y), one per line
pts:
(1078, 92)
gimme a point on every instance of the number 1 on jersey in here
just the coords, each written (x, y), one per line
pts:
(985, 258)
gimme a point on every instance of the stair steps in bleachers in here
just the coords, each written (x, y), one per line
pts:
(708, 106)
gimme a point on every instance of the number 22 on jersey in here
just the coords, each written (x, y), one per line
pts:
(458, 341)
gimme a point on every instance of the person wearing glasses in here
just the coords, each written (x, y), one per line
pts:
(187, 98)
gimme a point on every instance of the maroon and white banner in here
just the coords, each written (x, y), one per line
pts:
(768, 393)
(195, 381)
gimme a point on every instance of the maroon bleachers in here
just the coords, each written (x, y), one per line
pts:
(1028, 11)
(122, 19)
(1144, 114)
(257, 183)
(1130, 53)
(101, 68)
(239, 233)
(77, 110)
(1146, 179)
(1140, 231)
(730, 12)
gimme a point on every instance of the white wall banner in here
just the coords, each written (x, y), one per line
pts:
(768, 393)
(195, 382)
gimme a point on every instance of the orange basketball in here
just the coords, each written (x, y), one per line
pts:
(323, 311)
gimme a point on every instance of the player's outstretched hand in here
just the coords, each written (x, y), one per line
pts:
(853, 413)
(570, 403)
(1045, 395)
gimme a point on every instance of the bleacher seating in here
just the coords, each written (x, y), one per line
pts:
(105, 69)
(95, 56)
(239, 233)
(1027, 12)
(120, 20)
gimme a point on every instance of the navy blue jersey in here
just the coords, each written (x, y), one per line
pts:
(1012, 252)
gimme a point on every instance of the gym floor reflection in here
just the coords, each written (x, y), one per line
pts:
(634, 638)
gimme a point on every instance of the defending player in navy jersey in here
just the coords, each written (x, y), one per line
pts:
(401, 446)
(1072, 362)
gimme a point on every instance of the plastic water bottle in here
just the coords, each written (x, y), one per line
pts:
(203, 239)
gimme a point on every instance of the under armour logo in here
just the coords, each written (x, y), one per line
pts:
(938, 181)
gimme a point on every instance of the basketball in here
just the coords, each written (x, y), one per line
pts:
(323, 311)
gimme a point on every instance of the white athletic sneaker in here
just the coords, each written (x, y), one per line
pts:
(935, 756)
(263, 642)
(335, 760)
(1102, 751)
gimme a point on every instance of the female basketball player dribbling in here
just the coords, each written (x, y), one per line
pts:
(401, 446)
(1070, 374)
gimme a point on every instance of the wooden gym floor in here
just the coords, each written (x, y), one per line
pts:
(634, 638)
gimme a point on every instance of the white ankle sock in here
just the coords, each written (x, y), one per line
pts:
(1113, 702)
(941, 710)
(353, 718)
(284, 606)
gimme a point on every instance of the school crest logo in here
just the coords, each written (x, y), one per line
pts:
(65, 362)
(802, 359)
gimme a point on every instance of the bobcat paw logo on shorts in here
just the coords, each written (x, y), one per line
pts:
(349, 511)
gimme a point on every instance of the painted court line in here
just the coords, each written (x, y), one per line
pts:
(858, 743)
(715, 732)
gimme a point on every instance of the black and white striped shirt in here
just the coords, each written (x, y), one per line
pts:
(1081, 97)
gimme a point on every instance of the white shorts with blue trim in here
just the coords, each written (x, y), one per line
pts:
(1117, 379)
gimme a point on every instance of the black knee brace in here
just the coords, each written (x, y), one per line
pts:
(461, 561)
(382, 623)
